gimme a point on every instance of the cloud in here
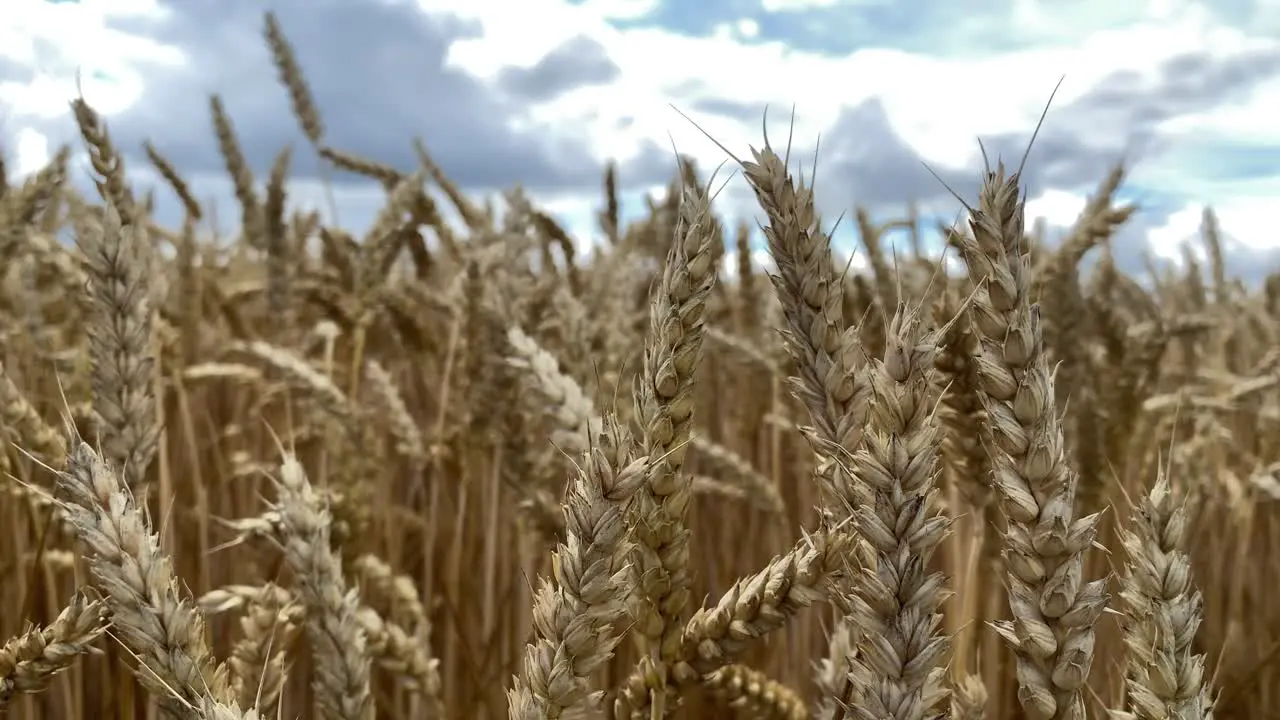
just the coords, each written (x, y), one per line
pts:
(1183, 90)
(579, 62)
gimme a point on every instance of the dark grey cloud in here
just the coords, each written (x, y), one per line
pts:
(863, 160)
(579, 62)
(728, 107)
(378, 72)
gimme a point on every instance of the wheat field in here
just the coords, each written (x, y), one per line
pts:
(461, 470)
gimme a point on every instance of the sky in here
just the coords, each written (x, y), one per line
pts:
(542, 93)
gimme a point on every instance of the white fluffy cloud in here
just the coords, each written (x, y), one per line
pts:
(1178, 85)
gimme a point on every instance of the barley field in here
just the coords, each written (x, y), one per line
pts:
(459, 470)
